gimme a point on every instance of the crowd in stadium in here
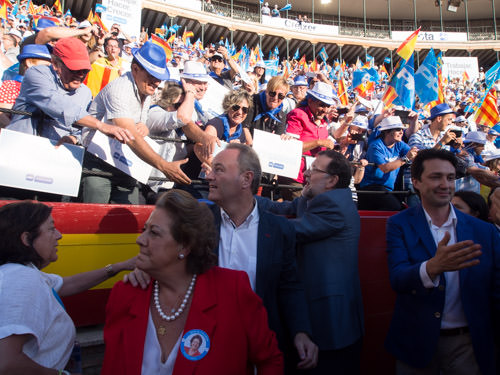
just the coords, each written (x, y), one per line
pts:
(371, 139)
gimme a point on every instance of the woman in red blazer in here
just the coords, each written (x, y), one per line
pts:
(194, 318)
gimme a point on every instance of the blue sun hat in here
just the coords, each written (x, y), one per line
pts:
(152, 58)
(440, 110)
(300, 81)
(43, 23)
(34, 51)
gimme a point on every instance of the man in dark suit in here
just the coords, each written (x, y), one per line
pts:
(445, 268)
(327, 227)
(261, 244)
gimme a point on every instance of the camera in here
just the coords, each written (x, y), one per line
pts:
(358, 137)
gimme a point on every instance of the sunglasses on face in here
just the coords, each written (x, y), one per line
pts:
(216, 59)
(236, 108)
(272, 94)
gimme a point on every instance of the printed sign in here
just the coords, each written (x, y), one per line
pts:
(34, 163)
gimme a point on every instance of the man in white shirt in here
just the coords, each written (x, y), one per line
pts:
(263, 245)
(445, 268)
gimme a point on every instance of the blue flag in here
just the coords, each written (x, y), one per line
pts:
(286, 7)
(296, 56)
(492, 74)
(374, 76)
(426, 79)
(403, 82)
(99, 8)
(387, 60)
(359, 77)
(323, 54)
(271, 68)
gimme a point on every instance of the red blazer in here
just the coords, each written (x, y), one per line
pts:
(224, 307)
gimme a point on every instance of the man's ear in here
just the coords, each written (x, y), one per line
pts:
(332, 182)
(247, 178)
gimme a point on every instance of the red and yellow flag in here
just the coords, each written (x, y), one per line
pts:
(389, 96)
(465, 76)
(487, 114)
(186, 35)
(163, 44)
(405, 50)
(314, 66)
(31, 8)
(3, 12)
(90, 18)
(57, 5)
(100, 75)
(342, 92)
(98, 21)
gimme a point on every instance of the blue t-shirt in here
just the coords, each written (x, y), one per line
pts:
(378, 153)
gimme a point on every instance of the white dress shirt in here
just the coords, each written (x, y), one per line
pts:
(238, 245)
(453, 313)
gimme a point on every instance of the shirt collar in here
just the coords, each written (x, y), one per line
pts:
(452, 218)
(134, 86)
(252, 218)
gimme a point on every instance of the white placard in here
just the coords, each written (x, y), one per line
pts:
(302, 27)
(126, 13)
(34, 163)
(277, 156)
(212, 101)
(431, 36)
(454, 67)
(121, 156)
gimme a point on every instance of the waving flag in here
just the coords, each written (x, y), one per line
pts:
(296, 56)
(492, 74)
(360, 77)
(322, 53)
(90, 17)
(302, 62)
(403, 81)
(427, 80)
(3, 12)
(98, 21)
(186, 35)
(155, 39)
(387, 60)
(314, 66)
(406, 48)
(389, 96)
(342, 92)
(286, 7)
(487, 114)
(57, 5)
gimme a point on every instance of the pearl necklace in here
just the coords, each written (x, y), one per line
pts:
(179, 311)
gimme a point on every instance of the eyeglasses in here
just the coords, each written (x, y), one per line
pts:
(237, 108)
(315, 169)
(272, 94)
(322, 104)
(216, 58)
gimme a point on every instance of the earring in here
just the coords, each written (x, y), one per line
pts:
(181, 256)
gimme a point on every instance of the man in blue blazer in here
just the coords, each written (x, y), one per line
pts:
(327, 227)
(445, 268)
(263, 245)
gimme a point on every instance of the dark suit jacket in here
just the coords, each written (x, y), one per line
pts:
(415, 326)
(277, 280)
(223, 306)
(328, 228)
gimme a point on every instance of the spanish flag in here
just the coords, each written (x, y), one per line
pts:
(90, 18)
(100, 75)
(98, 21)
(163, 44)
(406, 48)
(186, 35)
(465, 76)
(487, 114)
(314, 66)
(3, 12)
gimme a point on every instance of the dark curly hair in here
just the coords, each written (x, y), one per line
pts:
(193, 227)
(16, 219)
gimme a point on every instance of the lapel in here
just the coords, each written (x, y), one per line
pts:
(134, 332)
(265, 250)
(422, 231)
(200, 317)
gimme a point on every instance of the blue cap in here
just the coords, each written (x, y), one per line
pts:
(43, 23)
(300, 81)
(440, 110)
(493, 132)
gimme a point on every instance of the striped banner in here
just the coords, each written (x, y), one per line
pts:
(487, 114)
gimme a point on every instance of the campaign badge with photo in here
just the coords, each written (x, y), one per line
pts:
(195, 344)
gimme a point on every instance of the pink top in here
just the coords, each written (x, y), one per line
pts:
(9, 91)
(300, 121)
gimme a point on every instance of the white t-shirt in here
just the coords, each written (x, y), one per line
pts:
(28, 306)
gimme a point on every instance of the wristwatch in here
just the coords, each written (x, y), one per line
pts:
(406, 160)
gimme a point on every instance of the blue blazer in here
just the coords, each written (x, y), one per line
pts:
(416, 322)
(328, 229)
(277, 281)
